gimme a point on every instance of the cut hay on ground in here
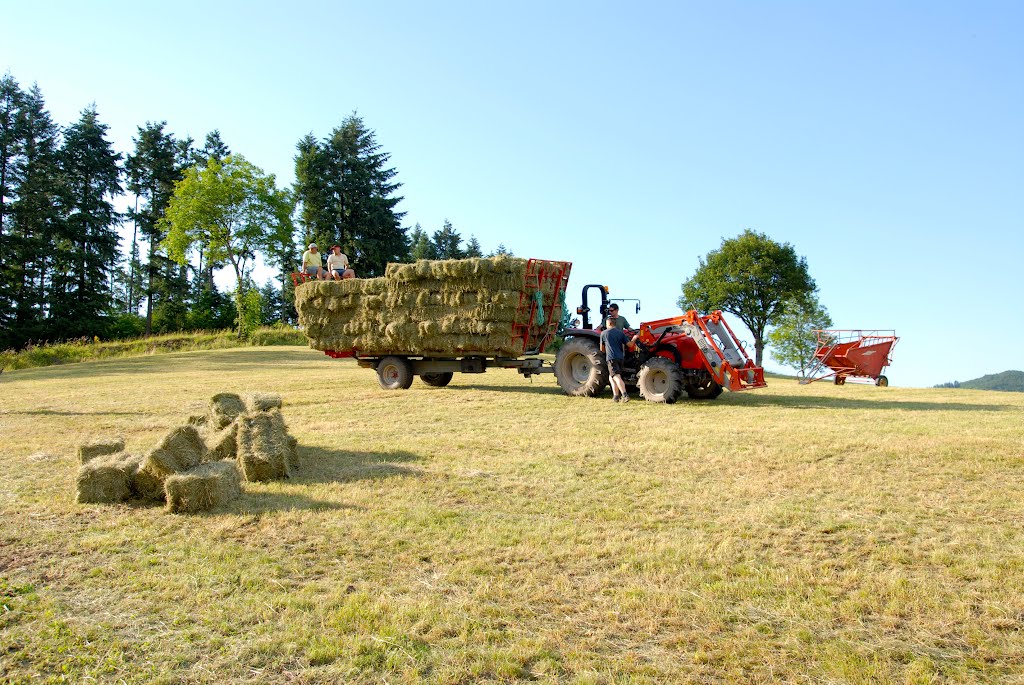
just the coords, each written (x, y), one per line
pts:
(262, 447)
(103, 480)
(223, 444)
(99, 448)
(263, 401)
(443, 307)
(144, 485)
(225, 407)
(203, 488)
(181, 450)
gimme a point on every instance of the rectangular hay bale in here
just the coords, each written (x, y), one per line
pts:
(262, 448)
(99, 448)
(103, 480)
(182, 449)
(203, 488)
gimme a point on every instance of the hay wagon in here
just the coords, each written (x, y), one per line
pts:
(436, 318)
(858, 354)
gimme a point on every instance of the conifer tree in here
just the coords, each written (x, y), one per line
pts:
(87, 248)
(447, 242)
(35, 220)
(11, 169)
(346, 193)
(153, 168)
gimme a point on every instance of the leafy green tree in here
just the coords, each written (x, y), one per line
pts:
(750, 276)
(233, 210)
(447, 242)
(87, 251)
(793, 339)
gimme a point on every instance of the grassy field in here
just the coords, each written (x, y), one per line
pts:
(498, 531)
(36, 356)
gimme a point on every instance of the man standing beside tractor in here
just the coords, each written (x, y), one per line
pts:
(613, 344)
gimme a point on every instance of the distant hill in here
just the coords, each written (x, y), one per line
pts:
(1010, 381)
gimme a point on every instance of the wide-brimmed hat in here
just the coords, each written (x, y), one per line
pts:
(312, 245)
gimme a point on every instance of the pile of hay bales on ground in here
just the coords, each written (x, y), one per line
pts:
(197, 466)
(432, 307)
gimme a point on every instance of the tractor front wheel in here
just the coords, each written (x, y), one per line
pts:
(660, 380)
(437, 380)
(394, 373)
(703, 388)
(580, 368)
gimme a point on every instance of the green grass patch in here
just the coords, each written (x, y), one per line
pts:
(36, 356)
(498, 531)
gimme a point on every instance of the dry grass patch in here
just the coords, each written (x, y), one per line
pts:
(497, 531)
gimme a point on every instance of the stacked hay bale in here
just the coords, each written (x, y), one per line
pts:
(432, 307)
(192, 470)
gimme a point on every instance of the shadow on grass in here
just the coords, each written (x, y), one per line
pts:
(525, 387)
(51, 412)
(235, 359)
(346, 466)
(817, 402)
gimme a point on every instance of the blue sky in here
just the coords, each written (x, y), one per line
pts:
(885, 141)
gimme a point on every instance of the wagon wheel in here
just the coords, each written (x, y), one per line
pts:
(438, 380)
(840, 380)
(882, 382)
(394, 373)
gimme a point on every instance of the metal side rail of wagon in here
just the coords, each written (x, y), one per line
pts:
(397, 372)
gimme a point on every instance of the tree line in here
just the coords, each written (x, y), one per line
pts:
(192, 210)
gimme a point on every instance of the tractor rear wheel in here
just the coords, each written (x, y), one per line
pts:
(437, 380)
(703, 388)
(580, 368)
(660, 380)
(394, 373)
(882, 382)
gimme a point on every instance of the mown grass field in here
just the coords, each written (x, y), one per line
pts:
(498, 531)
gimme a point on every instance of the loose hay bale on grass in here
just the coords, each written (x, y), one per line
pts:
(103, 481)
(225, 407)
(144, 485)
(263, 401)
(223, 444)
(181, 450)
(262, 447)
(203, 487)
(99, 448)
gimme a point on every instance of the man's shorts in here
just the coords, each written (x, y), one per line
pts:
(614, 367)
(312, 270)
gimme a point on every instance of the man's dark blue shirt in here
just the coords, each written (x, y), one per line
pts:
(614, 342)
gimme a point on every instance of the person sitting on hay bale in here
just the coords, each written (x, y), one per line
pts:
(312, 263)
(337, 265)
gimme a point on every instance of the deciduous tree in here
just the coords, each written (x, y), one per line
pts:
(793, 339)
(233, 210)
(750, 276)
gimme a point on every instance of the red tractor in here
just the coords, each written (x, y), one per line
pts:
(694, 353)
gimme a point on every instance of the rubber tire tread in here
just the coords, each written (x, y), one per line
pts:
(645, 380)
(598, 378)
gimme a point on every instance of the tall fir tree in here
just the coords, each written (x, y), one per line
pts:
(87, 249)
(11, 173)
(347, 196)
(35, 221)
(153, 168)
(420, 246)
(447, 242)
(473, 248)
